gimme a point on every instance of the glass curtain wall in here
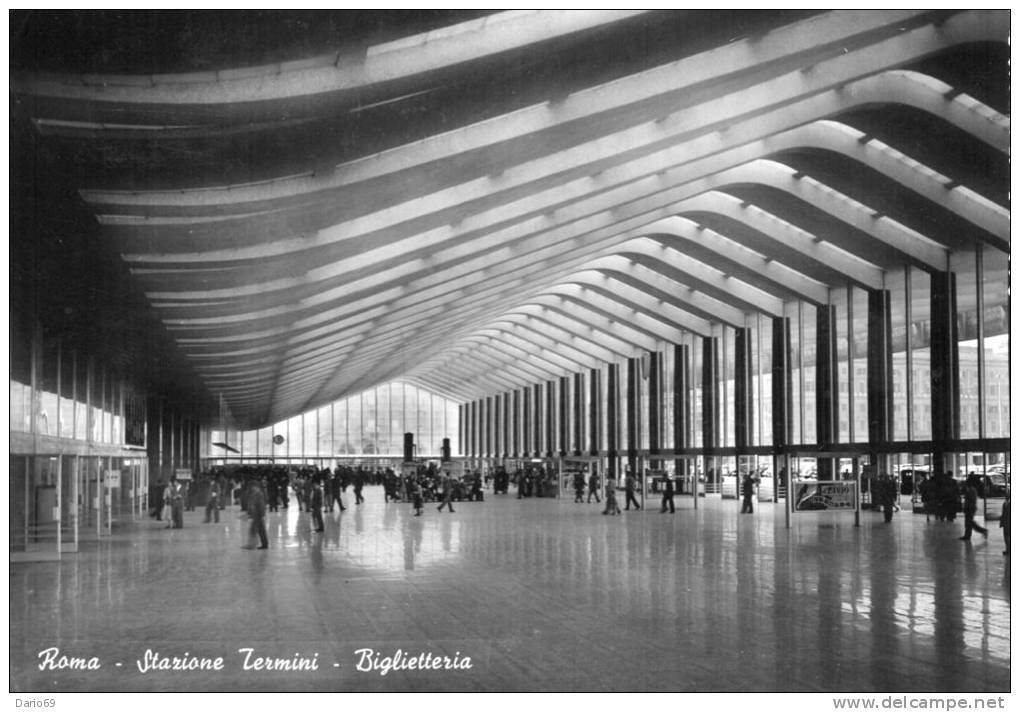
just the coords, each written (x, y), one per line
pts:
(370, 423)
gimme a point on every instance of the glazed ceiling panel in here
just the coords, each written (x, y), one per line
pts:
(692, 188)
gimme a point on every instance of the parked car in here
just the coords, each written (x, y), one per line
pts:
(996, 486)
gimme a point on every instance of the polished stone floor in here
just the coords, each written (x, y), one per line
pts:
(540, 594)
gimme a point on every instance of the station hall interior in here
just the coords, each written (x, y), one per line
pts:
(685, 248)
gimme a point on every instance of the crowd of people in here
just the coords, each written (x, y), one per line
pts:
(268, 488)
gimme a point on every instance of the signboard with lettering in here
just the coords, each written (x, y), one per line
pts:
(814, 496)
(182, 473)
(113, 478)
(454, 467)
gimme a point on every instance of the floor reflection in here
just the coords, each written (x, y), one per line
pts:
(704, 599)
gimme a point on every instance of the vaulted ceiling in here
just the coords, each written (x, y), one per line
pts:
(504, 199)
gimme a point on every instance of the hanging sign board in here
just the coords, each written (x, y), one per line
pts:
(815, 496)
(183, 473)
(113, 478)
(454, 467)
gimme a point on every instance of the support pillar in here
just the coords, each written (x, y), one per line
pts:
(507, 440)
(945, 366)
(537, 419)
(578, 413)
(460, 429)
(526, 421)
(782, 400)
(489, 451)
(564, 417)
(612, 418)
(654, 402)
(633, 408)
(515, 425)
(743, 394)
(880, 368)
(595, 391)
(826, 387)
(550, 418)
(710, 402)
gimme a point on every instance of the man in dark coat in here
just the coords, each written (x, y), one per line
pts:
(447, 493)
(667, 495)
(629, 485)
(593, 487)
(747, 489)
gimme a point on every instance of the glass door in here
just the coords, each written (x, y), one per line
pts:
(69, 483)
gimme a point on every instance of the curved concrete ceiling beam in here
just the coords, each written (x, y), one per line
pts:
(824, 74)
(399, 59)
(790, 236)
(516, 334)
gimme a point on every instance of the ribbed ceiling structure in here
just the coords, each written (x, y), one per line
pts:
(521, 196)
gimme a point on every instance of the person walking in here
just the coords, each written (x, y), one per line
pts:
(175, 501)
(629, 485)
(579, 487)
(1004, 524)
(257, 512)
(316, 505)
(417, 498)
(212, 502)
(611, 505)
(747, 489)
(970, 497)
(447, 493)
(159, 498)
(359, 483)
(667, 495)
(593, 487)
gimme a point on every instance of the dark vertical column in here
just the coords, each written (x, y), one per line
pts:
(489, 451)
(154, 438)
(537, 419)
(472, 451)
(526, 421)
(743, 394)
(654, 402)
(550, 418)
(506, 425)
(880, 369)
(782, 384)
(633, 408)
(578, 413)
(595, 391)
(681, 396)
(460, 429)
(709, 391)
(497, 413)
(515, 425)
(709, 401)
(945, 367)
(564, 417)
(612, 416)
(478, 428)
(826, 387)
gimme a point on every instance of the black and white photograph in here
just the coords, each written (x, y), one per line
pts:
(510, 351)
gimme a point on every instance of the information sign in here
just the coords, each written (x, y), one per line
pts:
(814, 496)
